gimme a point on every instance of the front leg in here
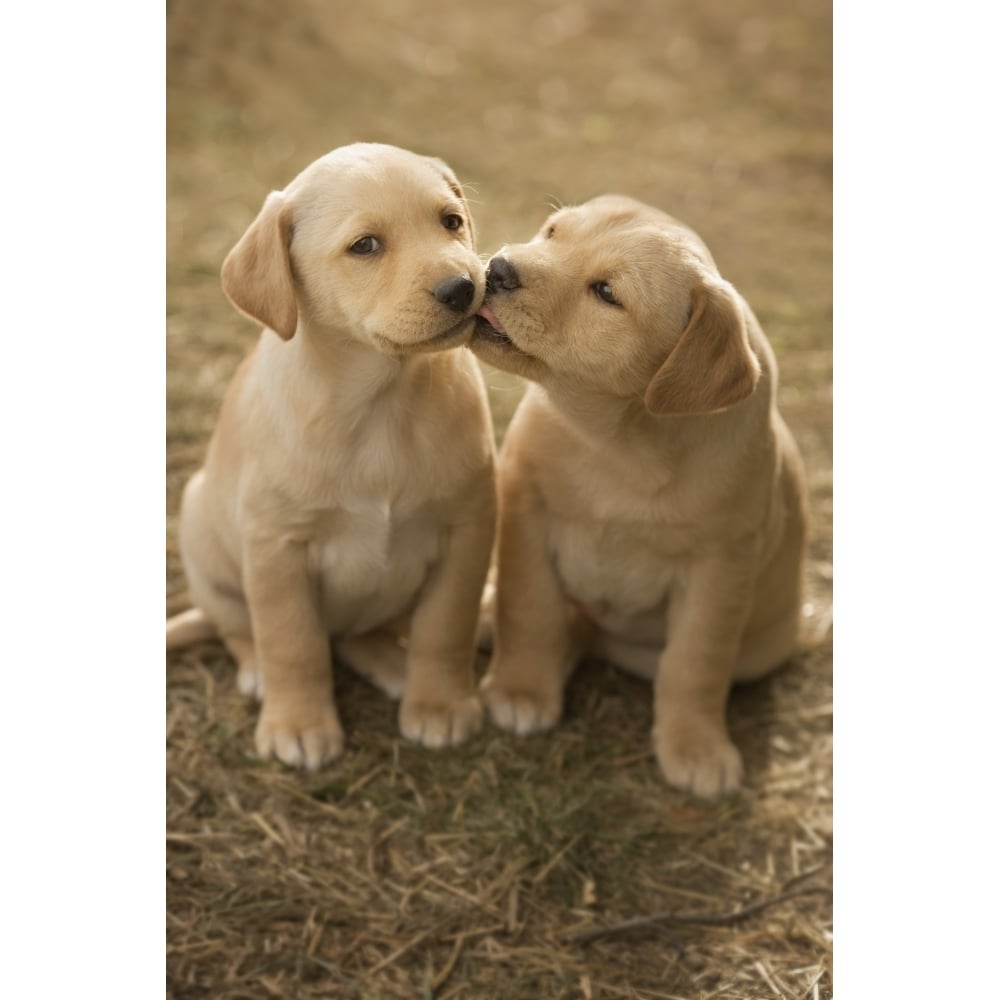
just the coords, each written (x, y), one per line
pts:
(534, 646)
(298, 720)
(440, 707)
(706, 618)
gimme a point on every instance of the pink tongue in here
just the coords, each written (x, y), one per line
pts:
(487, 313)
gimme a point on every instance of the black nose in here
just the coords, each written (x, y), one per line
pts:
(501, 276)
(456, 293)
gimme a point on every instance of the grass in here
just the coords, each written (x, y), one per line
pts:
(403, 867)
(406, 873)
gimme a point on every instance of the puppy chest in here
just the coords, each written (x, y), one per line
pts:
(370, 565)
(612, 569)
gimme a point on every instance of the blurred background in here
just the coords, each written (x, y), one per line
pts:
(718, 112)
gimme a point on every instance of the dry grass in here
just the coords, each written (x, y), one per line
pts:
(401, 872)
(406, 873)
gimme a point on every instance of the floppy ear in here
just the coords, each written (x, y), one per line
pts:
(712, 366)
(257, 274)
(452, 181)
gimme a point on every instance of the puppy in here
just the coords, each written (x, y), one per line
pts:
(651, 498)
(348, 489)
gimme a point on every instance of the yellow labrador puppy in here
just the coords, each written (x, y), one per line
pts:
(651, 497)
(348, 490)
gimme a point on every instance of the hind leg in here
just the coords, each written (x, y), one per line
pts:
(487, 614)
(766, 649)
(773, 634)
(249, 680)
(379, 657)
(214, 584)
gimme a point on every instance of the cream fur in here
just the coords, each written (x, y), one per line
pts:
(348, 490)
(652, 503)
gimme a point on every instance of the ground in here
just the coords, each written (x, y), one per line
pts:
(402, 872)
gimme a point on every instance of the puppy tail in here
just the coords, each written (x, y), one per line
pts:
(188, 627)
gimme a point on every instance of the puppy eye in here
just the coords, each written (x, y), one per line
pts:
(365, 246)
(550, 232)
(603, 291)
(452, 221)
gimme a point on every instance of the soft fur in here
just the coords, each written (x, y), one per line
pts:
(348, 490)
(651, 497)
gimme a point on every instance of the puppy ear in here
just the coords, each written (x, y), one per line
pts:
(712, 366)
(257, 274)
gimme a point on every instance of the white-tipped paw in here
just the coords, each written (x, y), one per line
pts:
(701, 760)
(380, 659)
(306, 736)
(521, 710)
(250, 681)
(487, 616)
(440, 723)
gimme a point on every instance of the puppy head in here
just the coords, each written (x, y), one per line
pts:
(370, 242)
(616, 298)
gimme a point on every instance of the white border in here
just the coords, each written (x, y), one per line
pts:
(916, 501)
(82, 389)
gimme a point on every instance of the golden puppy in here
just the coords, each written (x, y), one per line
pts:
(651, 497)
(348, 490)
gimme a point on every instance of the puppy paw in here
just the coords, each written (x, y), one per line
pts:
(249, 678)
(521, 710)
(702, 760)
(306, 735)
(487, 616)
(440, 723)
(379, 658)
(250, 681)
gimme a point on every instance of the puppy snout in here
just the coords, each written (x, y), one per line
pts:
(456, 293)
(501, 276)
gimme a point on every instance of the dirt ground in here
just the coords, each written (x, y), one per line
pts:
(400, 872)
